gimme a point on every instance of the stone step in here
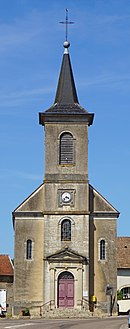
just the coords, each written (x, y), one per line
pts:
(67, 313)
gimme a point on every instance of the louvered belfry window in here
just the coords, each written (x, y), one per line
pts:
(66, 148)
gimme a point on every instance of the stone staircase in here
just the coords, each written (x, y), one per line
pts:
(65, 313)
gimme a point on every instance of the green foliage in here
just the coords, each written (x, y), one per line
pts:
(26, 312)
(119, 295)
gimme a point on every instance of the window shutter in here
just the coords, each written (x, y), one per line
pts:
(66, 149)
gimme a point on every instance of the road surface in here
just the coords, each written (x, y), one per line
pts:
(93, 323)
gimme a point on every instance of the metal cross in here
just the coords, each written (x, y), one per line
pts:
(66, 23)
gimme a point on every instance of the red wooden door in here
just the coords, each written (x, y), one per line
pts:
(62, 293)
(66, 291)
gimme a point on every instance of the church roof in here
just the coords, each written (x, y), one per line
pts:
(66, 100)
(6, 266)
(66, 90)
(34, 204)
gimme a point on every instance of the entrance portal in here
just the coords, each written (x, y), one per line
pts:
(66, 290)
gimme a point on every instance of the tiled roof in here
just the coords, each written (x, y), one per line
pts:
(123, 252)
(66, 106)
(6, 267)
(74, 108)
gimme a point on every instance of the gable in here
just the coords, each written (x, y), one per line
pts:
(99, 204)
(66, 254)
(33, 202)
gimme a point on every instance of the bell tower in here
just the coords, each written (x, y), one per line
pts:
(66, 146)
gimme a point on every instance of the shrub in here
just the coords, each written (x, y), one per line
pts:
(119, 295)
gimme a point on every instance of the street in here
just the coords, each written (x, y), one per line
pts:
(93, 323)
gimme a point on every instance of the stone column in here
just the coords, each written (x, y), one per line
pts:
(52, 286)
(79, 285)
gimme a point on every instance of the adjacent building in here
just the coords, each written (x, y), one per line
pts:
(123, 273)
(6, 284)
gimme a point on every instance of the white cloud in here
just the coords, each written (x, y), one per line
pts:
(107, 80)
(22, 96)
(103, 28)
(24, 30)
(21, 175)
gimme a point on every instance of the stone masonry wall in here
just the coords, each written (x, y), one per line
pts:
(105, 271)
(28, 279)
(79, 244)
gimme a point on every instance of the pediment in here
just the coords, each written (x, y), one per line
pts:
(66, 254)
(34, 202)
(98, 204)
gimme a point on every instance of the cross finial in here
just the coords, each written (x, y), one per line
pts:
(66, 23)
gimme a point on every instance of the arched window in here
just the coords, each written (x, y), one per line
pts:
(102, 250)
(66, 276)
(66, 152)
(66, 230)
(29, 249)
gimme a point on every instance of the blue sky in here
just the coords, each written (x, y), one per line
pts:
(31, 49)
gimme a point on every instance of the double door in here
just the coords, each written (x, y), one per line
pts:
(66, 292)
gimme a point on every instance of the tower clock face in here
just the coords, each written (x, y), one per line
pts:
(66, 197)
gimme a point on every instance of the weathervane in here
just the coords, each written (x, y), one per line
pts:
(66, 23)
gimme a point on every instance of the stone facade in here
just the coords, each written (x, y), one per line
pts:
(66, 265)
(28, 277)
(67, 260)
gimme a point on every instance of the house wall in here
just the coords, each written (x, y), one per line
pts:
(123, 278)
(6, 282)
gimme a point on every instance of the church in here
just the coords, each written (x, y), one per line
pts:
(65, 231)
